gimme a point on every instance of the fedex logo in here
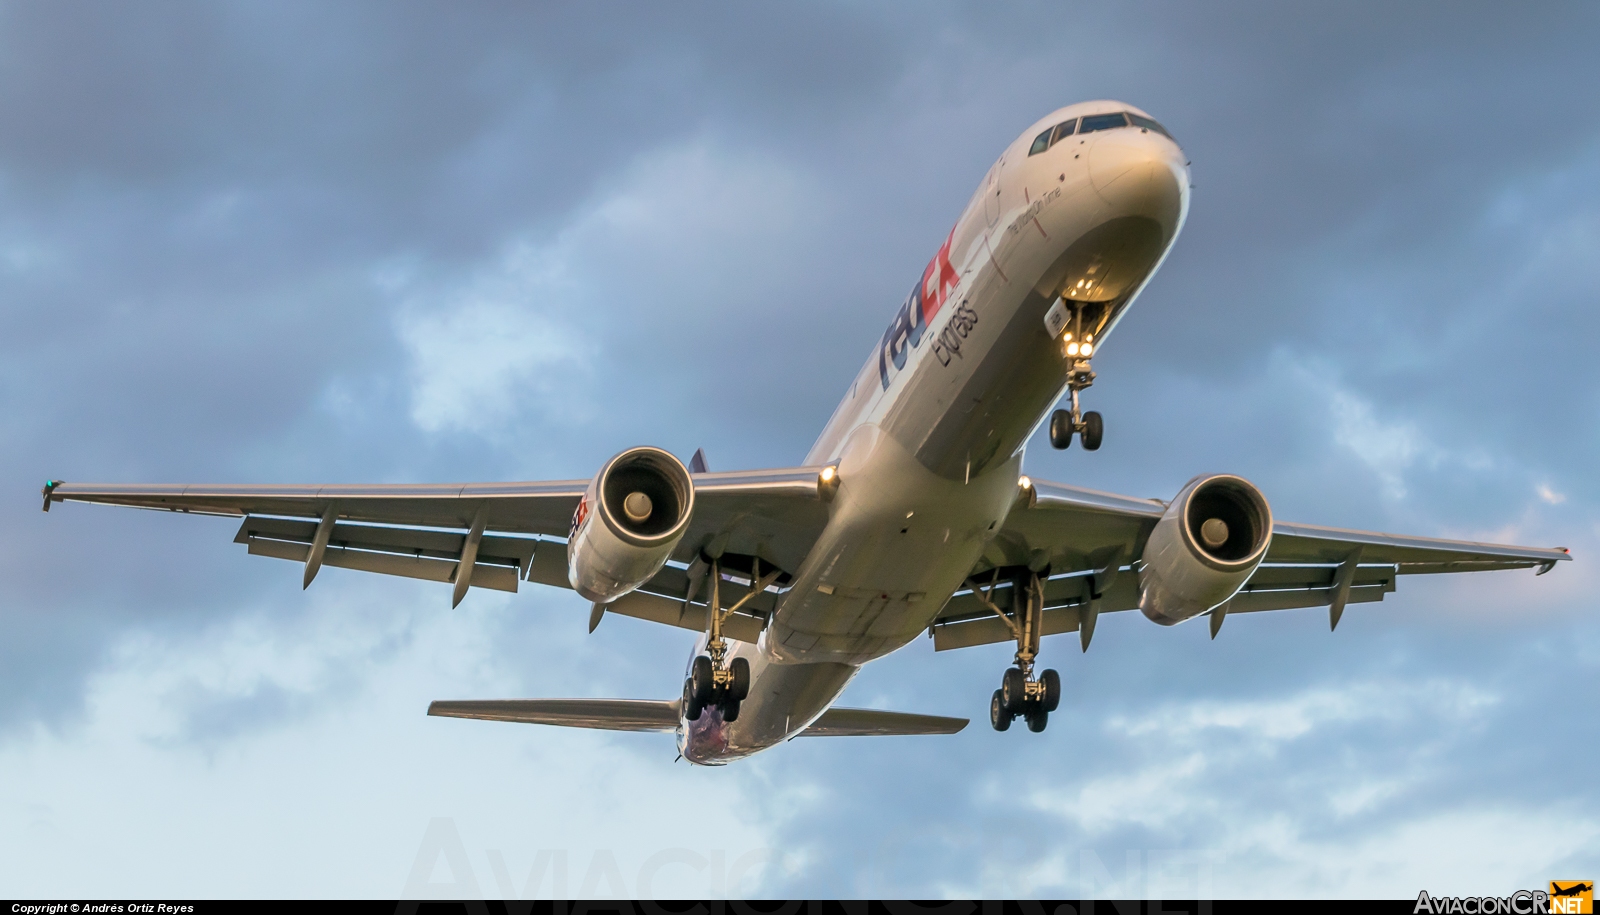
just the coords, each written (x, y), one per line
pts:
(911, 321)
(579, 515)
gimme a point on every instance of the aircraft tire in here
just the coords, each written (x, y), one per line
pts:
(691, 706)
(1013, 690)
(1094, 429)
(998, 716)
(1052, 690)
(740, 668)
(700, 675)
(730, 711)
(1061, 430)
(1037, 719)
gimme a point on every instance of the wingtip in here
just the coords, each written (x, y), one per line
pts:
(48, 491)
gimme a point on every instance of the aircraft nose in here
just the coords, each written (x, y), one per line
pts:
(1139, 172)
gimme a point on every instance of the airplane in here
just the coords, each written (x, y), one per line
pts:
(911, 514)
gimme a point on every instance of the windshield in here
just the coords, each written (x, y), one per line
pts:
(1091, 124)
(1103, 122)
(1148, 124)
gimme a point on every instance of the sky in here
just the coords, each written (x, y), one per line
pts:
(410, 242)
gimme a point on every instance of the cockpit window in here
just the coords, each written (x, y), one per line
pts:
(1103, 122)
(1063, 129)
(1148, 124)
(1091, 124)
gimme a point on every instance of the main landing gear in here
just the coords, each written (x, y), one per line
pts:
(1020, 695)
(713, 681)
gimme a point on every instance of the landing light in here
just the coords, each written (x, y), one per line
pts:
(1085, 350)
(1025, 495)
(827, 483)
(1072, 349)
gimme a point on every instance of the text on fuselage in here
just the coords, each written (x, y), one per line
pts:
(910, 323)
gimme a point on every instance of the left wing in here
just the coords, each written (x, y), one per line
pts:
(432, 531)
(1091, 541)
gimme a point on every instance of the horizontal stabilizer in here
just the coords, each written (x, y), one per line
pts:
(648, 715)
(605, 714)
(867, 722)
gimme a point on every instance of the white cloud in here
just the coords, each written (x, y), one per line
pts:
(495, 346)
(1388, 448)
(335, 797)
(1193, 754)
(524, 334)
(1278, 720)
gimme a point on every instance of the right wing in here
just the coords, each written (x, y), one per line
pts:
(1093, 541)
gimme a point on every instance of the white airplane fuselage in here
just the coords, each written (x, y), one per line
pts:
(929, 438)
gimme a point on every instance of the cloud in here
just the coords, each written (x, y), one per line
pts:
(304, 740)
(494, 348)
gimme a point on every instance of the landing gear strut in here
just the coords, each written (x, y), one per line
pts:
(1080, 375)
(715, 682)
(1020, 694)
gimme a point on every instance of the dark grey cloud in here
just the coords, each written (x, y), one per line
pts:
(288, 242)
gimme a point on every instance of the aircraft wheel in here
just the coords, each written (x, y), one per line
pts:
(1052, 690)
(1037, 719)
(1013, 690)
(740, 688)
(730, 711)
(1061, 430)
(691, 706)
(998, 716)
(1093, 428)
(704, 683)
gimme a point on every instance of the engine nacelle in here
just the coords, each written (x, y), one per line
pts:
(1204, 548)
(630, 519)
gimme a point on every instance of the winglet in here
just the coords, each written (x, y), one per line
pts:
(49, 488)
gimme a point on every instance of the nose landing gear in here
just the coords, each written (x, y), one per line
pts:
(1065, 423)
(713, 681)
(1080, 375)
(1020, 694)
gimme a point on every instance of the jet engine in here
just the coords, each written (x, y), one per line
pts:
(1204, 548)
(630, 519)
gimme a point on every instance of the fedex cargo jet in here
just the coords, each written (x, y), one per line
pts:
(910, 517)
